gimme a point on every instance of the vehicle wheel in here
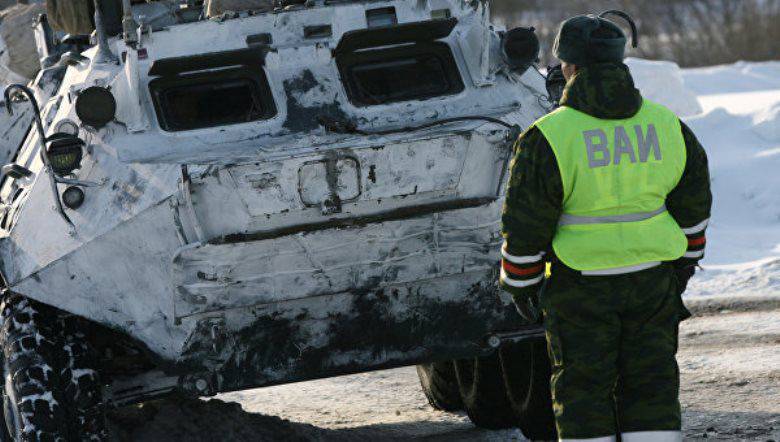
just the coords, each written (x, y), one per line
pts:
(5, 435)
(46, 389)
(82, 387)
(526, 368)
(483, 392)
(440, 385)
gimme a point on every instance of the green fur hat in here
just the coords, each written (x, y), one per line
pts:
(588, 39)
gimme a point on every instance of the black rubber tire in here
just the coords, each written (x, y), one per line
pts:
(440, 385)
(5, 435)
(83, 390)
(526, 369)
(483, 392)
(48, 386)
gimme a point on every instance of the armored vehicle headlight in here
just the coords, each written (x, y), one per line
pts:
(96, 106)
(64, 152)
(520, 48)
(73, 197)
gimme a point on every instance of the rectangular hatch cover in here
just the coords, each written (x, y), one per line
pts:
(389, 35)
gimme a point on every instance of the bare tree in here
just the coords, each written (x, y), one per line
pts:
(690, 32)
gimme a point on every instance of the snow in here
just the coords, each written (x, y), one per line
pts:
(749, 327)
(734, 78)
(662, 82)
(766, 124)
(738, 123)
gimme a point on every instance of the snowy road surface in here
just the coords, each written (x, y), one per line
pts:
(729, 359)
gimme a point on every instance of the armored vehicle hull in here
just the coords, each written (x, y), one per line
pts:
(269, 198)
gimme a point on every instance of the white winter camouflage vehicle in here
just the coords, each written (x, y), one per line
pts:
(215, 203)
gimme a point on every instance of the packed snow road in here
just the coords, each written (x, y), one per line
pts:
(729, 358)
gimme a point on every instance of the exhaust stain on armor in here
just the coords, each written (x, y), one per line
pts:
(382, 327)
(303, 116)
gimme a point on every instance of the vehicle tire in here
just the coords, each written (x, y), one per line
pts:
(5, 435)
(440, 385)
(526, 368)
(482, 389)
(46, 389)
(82, 387)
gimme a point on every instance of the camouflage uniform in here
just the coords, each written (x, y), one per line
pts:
(612, 339)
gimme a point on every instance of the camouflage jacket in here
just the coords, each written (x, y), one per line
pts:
(534, 200)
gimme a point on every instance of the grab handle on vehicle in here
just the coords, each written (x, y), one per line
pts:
(27, 93)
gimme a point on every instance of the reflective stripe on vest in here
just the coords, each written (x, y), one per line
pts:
(571, 220)
(616, 175)
(622, 270)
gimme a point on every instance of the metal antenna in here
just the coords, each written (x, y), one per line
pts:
(627, 18)
(104, 54)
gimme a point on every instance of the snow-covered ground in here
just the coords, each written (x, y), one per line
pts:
(735, 112)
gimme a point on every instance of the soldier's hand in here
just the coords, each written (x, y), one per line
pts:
(684, 274)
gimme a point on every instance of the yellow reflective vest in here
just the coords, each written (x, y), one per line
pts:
(616, 175)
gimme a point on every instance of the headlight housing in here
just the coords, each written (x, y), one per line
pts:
(65, 153)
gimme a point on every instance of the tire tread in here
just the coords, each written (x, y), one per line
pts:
(440, 385)
(58, 392)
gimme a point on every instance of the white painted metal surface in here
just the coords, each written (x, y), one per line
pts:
(213, 221)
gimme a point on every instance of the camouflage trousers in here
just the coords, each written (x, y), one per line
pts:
(612, 342)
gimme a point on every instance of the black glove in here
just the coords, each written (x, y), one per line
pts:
(683, 274)
(555, 83)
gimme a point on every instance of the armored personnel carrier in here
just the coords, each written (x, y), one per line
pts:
(214, 200)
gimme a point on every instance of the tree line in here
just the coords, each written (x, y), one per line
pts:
(689, 32)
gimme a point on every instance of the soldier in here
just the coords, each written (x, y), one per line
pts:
(614, 191)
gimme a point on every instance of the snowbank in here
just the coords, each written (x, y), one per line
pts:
(740, 129)
(733, 78)
(734, 110)
(767, 123)
(662, 82)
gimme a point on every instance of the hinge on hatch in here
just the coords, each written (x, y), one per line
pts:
(185, 190)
